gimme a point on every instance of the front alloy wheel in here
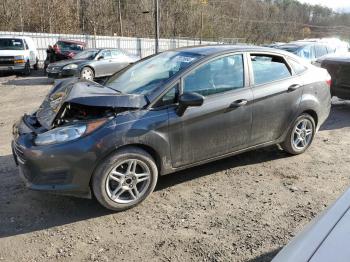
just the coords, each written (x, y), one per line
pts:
(125, 179)
(87, 73)
(128, 181)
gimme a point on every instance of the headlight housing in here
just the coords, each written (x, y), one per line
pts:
(70, 66)
(67, 133)
(19, 59)
(60, 134)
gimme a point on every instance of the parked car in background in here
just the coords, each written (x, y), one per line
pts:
(338, 67)
(274, 45)
(92, 63)
(18, 54)
(165, 113)
(64, 49)
(308, 50)
(325, 239)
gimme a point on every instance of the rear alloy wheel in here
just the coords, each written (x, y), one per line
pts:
(300, 136)
(125, 179)
(87, 73)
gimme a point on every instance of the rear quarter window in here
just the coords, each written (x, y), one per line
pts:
(269, 68)
(296, 66)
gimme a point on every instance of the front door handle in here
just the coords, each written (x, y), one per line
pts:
(293, 87)
(238, 103)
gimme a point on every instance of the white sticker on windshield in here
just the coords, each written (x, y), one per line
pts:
(185, 59)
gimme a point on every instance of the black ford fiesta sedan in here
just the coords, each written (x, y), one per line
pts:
(165, 113)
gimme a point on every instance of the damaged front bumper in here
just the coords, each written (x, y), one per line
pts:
(57, 74)
(60, 168)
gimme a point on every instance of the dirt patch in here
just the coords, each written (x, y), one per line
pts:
(243, 208)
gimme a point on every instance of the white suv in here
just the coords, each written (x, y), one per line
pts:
(18, 53)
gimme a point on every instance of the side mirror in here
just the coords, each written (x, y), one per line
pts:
(101, 57)
(188, 99)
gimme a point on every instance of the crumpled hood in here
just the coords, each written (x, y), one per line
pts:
(84, 93)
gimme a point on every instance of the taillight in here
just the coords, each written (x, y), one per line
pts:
(329, 82)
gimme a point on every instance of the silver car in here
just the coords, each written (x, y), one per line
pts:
(323, 240)
(92, 63)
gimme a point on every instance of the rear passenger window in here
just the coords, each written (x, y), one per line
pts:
(269, 68)
(297, 67)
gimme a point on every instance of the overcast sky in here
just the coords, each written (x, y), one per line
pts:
(337, 5)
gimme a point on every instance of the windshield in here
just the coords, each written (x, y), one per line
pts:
(11, 44)
(147, 75)
(67, 46)
(86, 55)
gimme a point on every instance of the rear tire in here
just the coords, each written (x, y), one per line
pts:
(36, 66)
(300, 135)
(125, 179)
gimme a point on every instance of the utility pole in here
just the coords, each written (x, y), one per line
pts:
(21, 14)
(203, 2)
(201, 33)
(120, 19)
(156, 22)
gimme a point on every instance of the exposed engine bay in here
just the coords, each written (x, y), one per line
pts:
(74, 112)
(72, 101)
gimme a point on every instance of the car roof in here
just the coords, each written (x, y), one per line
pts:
(296, 44)
(71, 41)
(208, 50)
(100, 49)
(14, 36)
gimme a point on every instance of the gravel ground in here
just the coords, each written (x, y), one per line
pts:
(243, 208)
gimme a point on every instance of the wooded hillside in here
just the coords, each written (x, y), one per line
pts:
(257, 21)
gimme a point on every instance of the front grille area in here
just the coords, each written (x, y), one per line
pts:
(19, 153)
(7, 60)
(54, 69)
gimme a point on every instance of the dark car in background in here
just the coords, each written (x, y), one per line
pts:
(165, 113)
(69, 48)
(338, 67)
(308, 50)
(63, 49)
(92, 63)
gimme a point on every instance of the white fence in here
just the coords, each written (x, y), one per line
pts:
(138, 46)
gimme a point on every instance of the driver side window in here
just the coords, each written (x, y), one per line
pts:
(217, 76)
(106, 54)
(170, 98)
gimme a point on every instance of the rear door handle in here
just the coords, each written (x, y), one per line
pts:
(238, 103)
(293, 87)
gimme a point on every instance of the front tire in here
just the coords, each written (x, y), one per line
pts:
(300, 135)
(125, 179)
(87, 73)
(26, 70)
